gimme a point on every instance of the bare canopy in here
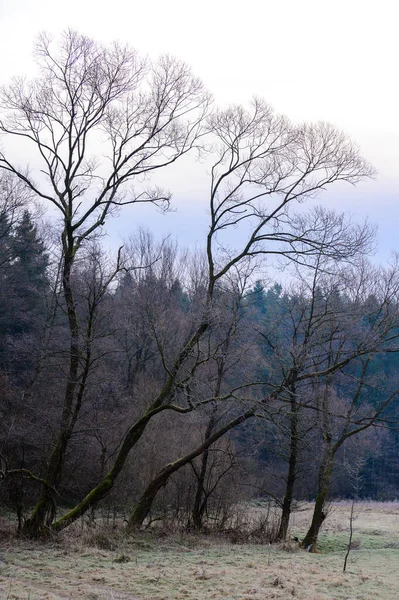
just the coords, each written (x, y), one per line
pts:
(100, 118)
(264, 164)
(142, 115)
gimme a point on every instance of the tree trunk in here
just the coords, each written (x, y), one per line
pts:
(145, 503)
(132, 437)
(201, 497)
(292, 466)
(199, 501)
(319, 514)
(44, 512)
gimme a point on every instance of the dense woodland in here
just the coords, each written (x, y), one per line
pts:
(166, 383)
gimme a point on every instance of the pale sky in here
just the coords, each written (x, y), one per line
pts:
(312, 59)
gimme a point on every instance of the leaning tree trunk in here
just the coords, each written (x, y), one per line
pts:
(42, 518)
(145, 503)
(131, 438)
(310, 539)
(292, 469)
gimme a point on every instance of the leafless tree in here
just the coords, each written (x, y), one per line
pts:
(354, 475)
(264, 166)
(374, 294)
(317, 330)
(145, 117)
(222, 357)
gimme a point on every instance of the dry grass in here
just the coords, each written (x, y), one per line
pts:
(95, 565)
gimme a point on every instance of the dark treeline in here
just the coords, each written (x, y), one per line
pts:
(285, 380)
(171, 383)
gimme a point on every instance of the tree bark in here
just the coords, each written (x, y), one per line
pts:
(310, 539)
(199, 501)
(145, 503)
(44, 512)
(292, 467)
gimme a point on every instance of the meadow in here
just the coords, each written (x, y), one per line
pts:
(94, 563)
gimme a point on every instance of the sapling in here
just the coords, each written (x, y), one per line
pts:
(356, 484)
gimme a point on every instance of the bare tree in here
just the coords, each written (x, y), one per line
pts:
(315, 331)
(264, 165)
(356, 481)
(144, 115)
(375, 297)
(217, 378)
(260, 157)
(150, 116)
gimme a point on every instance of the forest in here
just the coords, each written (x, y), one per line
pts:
(167, 383)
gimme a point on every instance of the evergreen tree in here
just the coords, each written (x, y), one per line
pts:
(5, 229)
(28, 277)
(24, 286)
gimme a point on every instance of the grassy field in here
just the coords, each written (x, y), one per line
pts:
(93, 565)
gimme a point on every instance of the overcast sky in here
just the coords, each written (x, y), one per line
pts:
(311, 59)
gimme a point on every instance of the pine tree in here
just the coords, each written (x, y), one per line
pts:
(28, 276)
(24, 286)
